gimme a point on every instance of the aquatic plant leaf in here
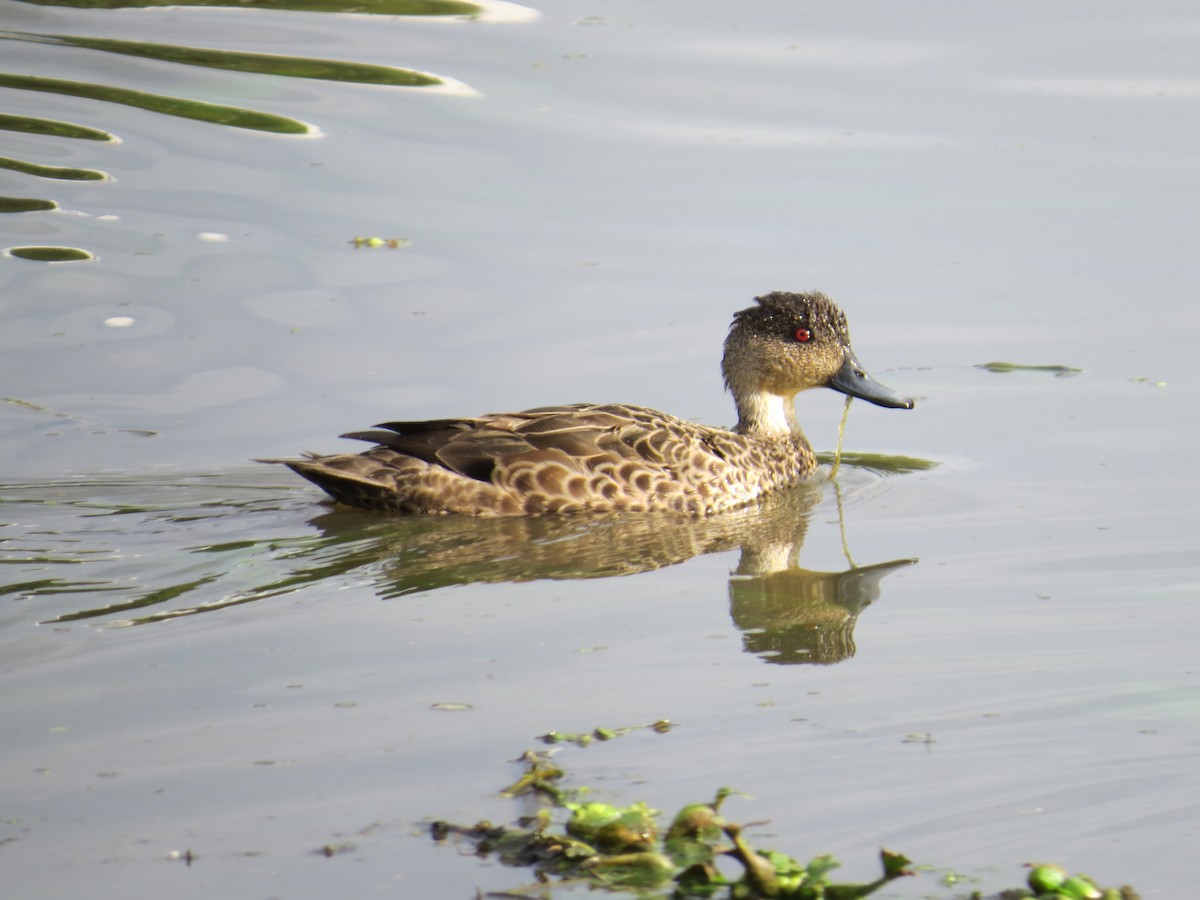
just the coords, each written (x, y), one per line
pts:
(1045, 877)
(27, 404)
(682, 867)
(699, 821)
(584, 739)
(179, 107)
(32, 125)
(895, 864)
(613, 829)
(1004, 367)
(50, 254)
(371, 7)
(641, 870)
(256, 63)
(60, 173)
(882, 463)
(1079, 887)
(689, 851)
(820, 866)
(539, 777)
(25, 204)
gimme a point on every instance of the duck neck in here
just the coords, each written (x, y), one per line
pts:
(767, 415)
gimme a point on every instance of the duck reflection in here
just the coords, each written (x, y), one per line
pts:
(229, 545)
(786, 613)
(793, 615)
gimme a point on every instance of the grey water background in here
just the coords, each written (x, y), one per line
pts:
(198, 656)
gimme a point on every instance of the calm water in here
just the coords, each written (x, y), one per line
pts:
(197, 655)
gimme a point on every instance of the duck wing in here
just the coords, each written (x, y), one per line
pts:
(579, 436)
(546, 460)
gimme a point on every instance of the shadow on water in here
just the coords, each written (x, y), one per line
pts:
(138, 552)
(252, 64)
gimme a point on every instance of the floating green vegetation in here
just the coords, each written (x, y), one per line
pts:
(256, 63)
(888, 463)
(623, 848)
(837, 453)
(1053, 883)
(58, 172)
(27, 404)
(171, 106)
(371, 7)
(582, 739)
(31, 125)
(25, 204)
(1057, 371)
(50, 254)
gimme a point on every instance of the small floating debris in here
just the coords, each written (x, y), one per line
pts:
(118, 321)
(1057, 371)
(330, 850)
(452, 707)
(390, 243)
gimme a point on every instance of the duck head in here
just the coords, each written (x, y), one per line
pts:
(789, 343)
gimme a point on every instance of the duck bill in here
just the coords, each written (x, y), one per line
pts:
(853, 379)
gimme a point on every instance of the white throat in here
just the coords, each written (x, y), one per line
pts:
(767, 414)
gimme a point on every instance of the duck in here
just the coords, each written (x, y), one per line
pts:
(615, 457)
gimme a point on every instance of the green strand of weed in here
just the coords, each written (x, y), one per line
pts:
(837, 456)
(837, 496)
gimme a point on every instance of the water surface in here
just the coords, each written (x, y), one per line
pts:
(199, 656)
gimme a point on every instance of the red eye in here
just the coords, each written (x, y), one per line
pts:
(803, 335)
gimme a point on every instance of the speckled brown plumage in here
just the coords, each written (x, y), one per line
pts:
(615, 457)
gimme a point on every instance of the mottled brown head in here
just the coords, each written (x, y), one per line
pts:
(786, 344)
